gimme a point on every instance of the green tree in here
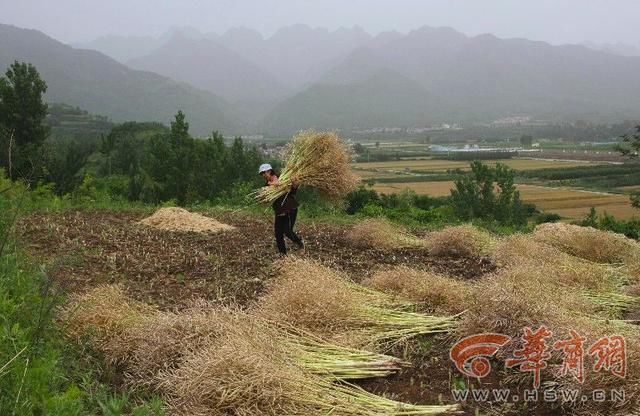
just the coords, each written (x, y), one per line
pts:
(631, 148)
(358, 148)
(179, 127)
(631, 144)
(488, 193)
(22, 115)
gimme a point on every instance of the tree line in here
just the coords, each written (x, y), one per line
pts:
(146, 162)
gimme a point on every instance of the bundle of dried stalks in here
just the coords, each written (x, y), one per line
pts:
(317, 160)
(462, 240)
(524, 296)
(245, 372)
(522, 249)
(332, 361)
(520, 296)
(614, 304)
(589, 243)
(315, 298)
(438, 293)
(381, 233)
(139, 336)
(160, 341)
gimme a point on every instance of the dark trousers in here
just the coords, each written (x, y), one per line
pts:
(283, 226)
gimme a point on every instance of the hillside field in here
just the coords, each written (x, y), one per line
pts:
(124, 279)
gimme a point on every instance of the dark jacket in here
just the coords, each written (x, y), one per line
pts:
(286, 203)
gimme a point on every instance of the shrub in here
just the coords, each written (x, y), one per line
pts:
(358, 199)
(630, 228)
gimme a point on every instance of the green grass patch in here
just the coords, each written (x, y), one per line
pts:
(41, 372)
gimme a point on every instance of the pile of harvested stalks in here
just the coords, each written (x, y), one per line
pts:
(381, 233)
(462, 240)
(317, 160)
(532, 294)
(335, 362)
(519, 296)
(521, 250)
(589, 243)
(432, 291)
(104, 313)
(140, 337)
(313, 297)
(179, 219)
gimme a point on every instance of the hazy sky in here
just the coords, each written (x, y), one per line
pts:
(555, 21)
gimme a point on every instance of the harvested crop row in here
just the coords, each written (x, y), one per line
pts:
(215, 361)
(569, 270)
(313, 297)
(591, 244)
(528, 293)
(523, 296)
(148, 341)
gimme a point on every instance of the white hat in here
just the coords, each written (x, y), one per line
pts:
(264, 167)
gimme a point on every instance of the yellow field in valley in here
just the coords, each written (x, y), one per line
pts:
(433, 165)
(569, 203)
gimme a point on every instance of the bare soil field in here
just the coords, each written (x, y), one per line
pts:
(82, 249)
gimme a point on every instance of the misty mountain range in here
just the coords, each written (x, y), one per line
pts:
(619, 48)
(241, 82)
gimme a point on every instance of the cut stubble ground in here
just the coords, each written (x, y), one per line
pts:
(82, 249)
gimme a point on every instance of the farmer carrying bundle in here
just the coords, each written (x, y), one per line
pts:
(286, 209)
(314, 159)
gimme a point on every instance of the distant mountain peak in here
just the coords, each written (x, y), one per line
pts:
(298, 30)
(242, 32)
(211, 66)
(185, 31)
(431, 30)
(101, 85)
